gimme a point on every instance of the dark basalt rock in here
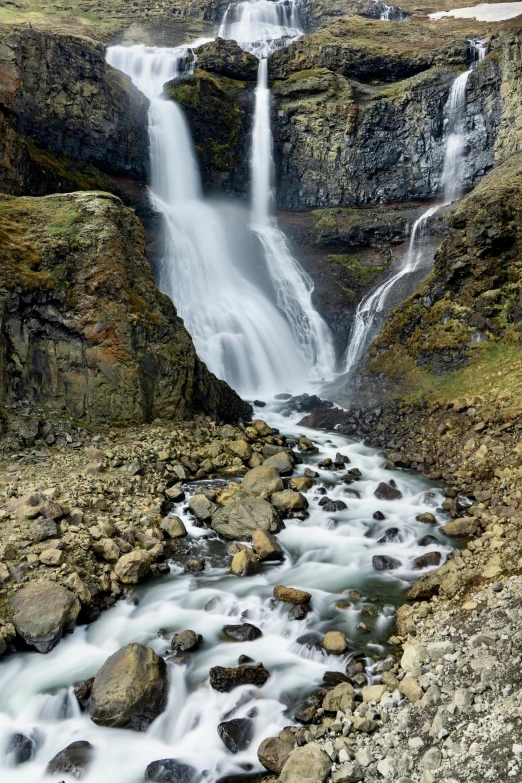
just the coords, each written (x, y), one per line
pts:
(299, 612)
(171, 771)
(73, 760)
(428, 541)
(82, 691)
(379, 515)
(236, 734)
(20, 748)
(428, 560)
(334, 505)
(390, 536)
(226, 679)
(186, 641)
(387, 492)
(385, 563)
(226, 58)
(243, 633)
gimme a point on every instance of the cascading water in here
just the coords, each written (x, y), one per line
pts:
(368, 316)
(260, 26)
(253, 325)
(328, 554)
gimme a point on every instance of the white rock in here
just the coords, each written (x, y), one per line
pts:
(363, 757)
(413, 657)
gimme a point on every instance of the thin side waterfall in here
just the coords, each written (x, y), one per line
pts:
(367, 317)
(234, 312)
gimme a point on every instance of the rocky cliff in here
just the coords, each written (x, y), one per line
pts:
(83, 327)
(60, 104)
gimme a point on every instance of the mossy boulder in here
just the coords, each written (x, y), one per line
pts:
(219, 112)
(226, 58)
(83, 327)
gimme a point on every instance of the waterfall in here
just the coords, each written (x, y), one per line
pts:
(366, 321)
(244, 299)
(366, 324)
(262, 25)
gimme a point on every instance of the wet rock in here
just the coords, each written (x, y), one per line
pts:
(379, 516)
(174, 527)
(224, 679)
(342, 697)
(19, 749)
(299, 612)
(306, 715)
(130, 689)
(466, 527)
(385, 563)
(335, 678)
(132, 567)
(239, 519)
(308, 764)
(244, 563)
(390, 536)
(428, 541)
(427, 518)
(236, 734)
(301, 483)
(171, 771)
(334, 505)
(262, 481)
(243, 633)
(288, 500)
(428, 560)
(226, 58)
(194, 566)
(82, 691)
(202, 507)
(334, 642)
(283, 462)
(74, 760)
(387, 492)
(290, 595)
(273, 752)
(44, 611)
(266, 546)
(186, 641)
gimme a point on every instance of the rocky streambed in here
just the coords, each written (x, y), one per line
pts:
(268, 593)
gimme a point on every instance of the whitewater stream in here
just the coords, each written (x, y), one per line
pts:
(328, 554)
(255, 326)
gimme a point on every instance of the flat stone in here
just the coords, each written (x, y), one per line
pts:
(373, 693)
(291, 595)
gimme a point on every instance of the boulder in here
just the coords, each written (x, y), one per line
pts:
(413, 657)
(236, 734)
(82, 691)
(386, 492)
(429, 560)
(174, 527)
(342, 697)
(289, 500)
(465, 527)
(410, 688)
(107, 549)
(373, 693)
(43, 529)
(239, 519)
(225, 679)
(385, 563)
(427, 541)
(265, 546)
(390, 536)
(241, 449)
(301, 483)
(308, 764)
(74, 760)
(243, 633)
(130, 689)
(332, 506)
(262, 481)
(202, 507)
(43, 612)
(19, 749)
(132, 567)
(51, 557)
(290, 595)
(427, 518)
(273, 752)
(244, 563)
(262, 428)
(282, 462)
(171, 771)
(334, 642)
(227, 59)
(186, 641)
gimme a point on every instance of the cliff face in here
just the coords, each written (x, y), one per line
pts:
(383, 143)
(83, 327)
(60, 93)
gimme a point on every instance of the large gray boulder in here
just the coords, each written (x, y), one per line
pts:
(239, 520)
(130, 690)
(262, 481)
(44, 611)
(308, 764)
